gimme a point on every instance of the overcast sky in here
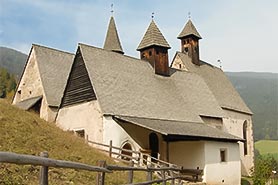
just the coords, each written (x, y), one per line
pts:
(242, 34)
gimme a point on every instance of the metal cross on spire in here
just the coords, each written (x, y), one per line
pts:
(189, 15)
(112, 10)
(152, 15)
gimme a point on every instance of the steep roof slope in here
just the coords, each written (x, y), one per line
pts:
(112, 41)
(218, 83)
(153, 36)
(128, 86)
(54, 67)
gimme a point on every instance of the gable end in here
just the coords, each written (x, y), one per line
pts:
(79, 88)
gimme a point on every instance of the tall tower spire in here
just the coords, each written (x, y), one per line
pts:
(154, 48)
(112, 41)
(189, 37)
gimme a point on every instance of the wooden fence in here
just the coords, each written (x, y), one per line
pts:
(102, 168)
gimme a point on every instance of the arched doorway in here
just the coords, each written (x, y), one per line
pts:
(126, 146)
(154, 145)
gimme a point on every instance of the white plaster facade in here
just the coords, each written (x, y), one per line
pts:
(85, 116)
(217, 172)
(233, 123)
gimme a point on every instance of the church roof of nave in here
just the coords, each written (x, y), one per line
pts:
(189, 29)
(128, 86)
(112, 41)
(179, 128)
(218, 83)
(152, 37)
(54, 67)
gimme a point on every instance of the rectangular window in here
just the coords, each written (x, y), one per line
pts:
(223, 155)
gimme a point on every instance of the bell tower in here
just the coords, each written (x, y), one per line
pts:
(189, 37)
(154, 48)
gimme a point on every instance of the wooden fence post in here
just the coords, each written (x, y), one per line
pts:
(130, 173)
(43, 178)
(110, 148)
(163, 177)
(101, 175)
(172, 174)
(149, 174)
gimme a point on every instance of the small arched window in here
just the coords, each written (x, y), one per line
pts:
(245, 148)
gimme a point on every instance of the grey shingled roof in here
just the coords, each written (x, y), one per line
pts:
(166, 127)
(28, 103)
(218, 83)
(153, 37)
(54, 67)
(189, 29)
(129, 86)
(112, 41)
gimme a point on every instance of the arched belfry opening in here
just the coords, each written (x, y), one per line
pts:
(154, 145)
(245, 148)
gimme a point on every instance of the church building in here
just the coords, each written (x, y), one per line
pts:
(185, 112)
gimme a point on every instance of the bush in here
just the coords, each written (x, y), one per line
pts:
(264, 165)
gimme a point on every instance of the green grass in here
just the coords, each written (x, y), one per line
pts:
(24, 132)
(268, 147)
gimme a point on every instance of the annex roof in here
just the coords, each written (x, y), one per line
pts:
(180, 128)
(28, 103)
(189, 29)
(153, 37)
(218, 83)
(54, 68)
(128, 86)
(112, 41)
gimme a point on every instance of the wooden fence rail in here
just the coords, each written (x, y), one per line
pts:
(101, 169)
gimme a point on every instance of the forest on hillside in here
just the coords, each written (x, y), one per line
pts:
(7, 83)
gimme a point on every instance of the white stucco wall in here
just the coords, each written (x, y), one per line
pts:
(85, 116)
(217, 172)
(189, 154)
(113, 131)
(233, 123)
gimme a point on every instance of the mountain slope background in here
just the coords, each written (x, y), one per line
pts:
(259, 91)
(13, 61)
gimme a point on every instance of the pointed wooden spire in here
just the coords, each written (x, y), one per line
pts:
(153, 37)
(189, 29)
(112, 41)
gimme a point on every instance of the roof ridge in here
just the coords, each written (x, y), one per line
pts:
(54, 49)
(87, 45)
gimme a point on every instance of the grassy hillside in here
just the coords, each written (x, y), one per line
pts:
(24, 132)
(260, 92)
(12, 60)
(267, 147)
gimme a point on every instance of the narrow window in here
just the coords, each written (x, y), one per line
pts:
(223, 155)
(180, 66)
(245, 149)
(150, 53)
